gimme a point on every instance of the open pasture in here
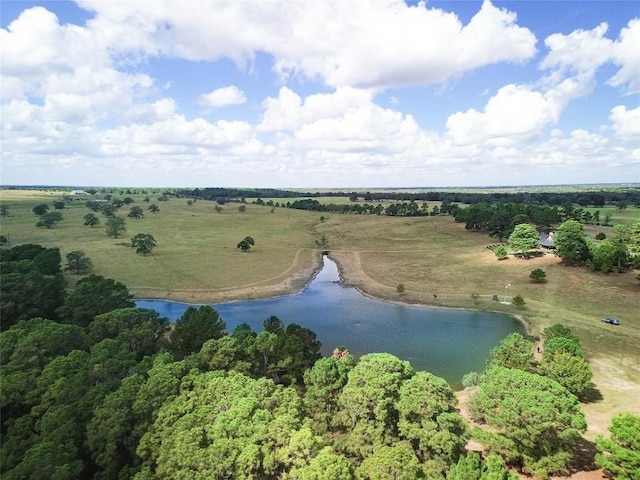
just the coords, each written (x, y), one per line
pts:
(196, 255)
(437, 261)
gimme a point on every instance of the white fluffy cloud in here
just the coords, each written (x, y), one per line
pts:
(222, 97)
(351, 42)
(626, 123)
(627, 54)
(514, 112)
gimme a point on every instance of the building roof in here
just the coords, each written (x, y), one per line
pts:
(547, 240)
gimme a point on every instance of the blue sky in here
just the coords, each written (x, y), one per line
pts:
(319, 94)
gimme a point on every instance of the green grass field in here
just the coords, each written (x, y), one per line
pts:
(196, 254)
(196, 246)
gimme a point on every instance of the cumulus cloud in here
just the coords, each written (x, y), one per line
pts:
(627, 55)
(65, 69)
(222, 97)
(346, 43)
(626, 123)
(515, 111)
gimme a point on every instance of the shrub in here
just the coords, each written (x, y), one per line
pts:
(501, 252)
(470, 379)
(538, 275)
(518, 301)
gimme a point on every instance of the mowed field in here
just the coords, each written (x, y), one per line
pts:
(437, 261)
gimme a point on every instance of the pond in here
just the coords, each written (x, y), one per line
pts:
(446, 342)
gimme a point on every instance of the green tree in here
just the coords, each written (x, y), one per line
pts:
(429, 420)
(523, 239)
(327, 465)
(143, 243)
(397, 462)
(78, 261)
(91, 219)
(559, 330)
(469, 467)
(518, 301)
(246, 244)
(472, 467)
(45, 260)
(499, 225)
(555, 345)
(324, 382)
(607, 254)
(534, 421)
(538, 275)
(135, 212)
(266, 344)
(274, 325)
(26, 292)
(141, 329)
(367, 404)
(49, 219)
(228, 353)
(115, 226)
(620, 454)
(501, 252)
(153, 208)
(571, 371)
(224, 425)
(92, 296)
(40, 209)
(196, 326)
(109, 211)
(25, 349)
(59, 204)
(298, 350)
(4, 210)
(571, 242)
(514, 351)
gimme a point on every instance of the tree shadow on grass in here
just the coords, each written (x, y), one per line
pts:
(591, 395)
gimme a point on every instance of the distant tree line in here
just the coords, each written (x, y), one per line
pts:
(619, 197)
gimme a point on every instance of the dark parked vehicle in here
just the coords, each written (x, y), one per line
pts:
(611, 320)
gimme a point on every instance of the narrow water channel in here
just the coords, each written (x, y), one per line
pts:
(446, 342)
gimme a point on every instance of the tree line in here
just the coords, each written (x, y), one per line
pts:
(94, 387)
(621, 197)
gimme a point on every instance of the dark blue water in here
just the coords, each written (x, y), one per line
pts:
(445, 342)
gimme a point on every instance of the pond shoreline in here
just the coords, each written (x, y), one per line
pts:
(297, 284)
